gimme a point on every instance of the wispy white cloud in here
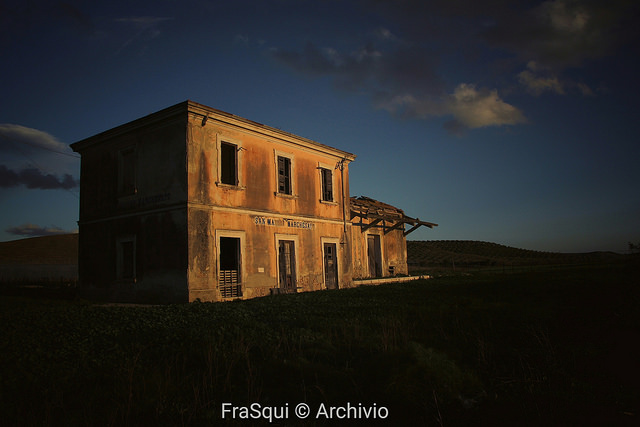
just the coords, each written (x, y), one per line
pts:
(538, 79)
(584, 89)
(147, 28)
(565, 16)
(144, 21)
(536, 83)
(11, 133)
(385, 34)
(242, 39)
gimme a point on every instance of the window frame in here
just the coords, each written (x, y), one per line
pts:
(220, 140)
(227, 150)
(381, 243)
(292, 182)
(296, 257)
(335, 241)
(322, 167)
(120, 261)
(242, 265)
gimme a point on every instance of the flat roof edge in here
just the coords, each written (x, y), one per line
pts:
(189, 106)
(220, 115)
(165, 113)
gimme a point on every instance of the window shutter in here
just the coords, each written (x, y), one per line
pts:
(284, 175)
(281, 176)
(327, 185)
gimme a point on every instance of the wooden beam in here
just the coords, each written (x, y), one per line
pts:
(365, 227)
(395, 226)
(418, 224)
(355, 214)
(412, 229)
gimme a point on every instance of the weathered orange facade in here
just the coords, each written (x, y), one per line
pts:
(193, 203)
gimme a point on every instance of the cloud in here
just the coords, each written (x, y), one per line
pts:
(33, 230)
(538, 79)
(537, 83)
(473, 108)
(314, 61)
(402, 81)
(242, 39)
(565, 16)
(10, 133)
(143, 22)
(562, 33)
(146, 26)
(32, 178)
(385, 34)
(584, 89)
(406, 64)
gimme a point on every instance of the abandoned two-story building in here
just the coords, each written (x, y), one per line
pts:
(194, 203)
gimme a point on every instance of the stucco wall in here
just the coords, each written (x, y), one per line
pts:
(160, 261)
(160, 171)
(393, 252)
(258, 172)
(155, 213)
(216, 208)
(260, 235)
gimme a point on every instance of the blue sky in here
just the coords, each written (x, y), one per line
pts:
(502, 121)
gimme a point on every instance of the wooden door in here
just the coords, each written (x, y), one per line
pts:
(330, 266)
(287, 266)
(374, 255)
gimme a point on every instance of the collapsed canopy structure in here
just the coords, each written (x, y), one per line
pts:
(382, 215)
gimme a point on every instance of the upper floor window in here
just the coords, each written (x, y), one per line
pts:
(327, 184)
(284, 175)
(228, 163)
(127, 171)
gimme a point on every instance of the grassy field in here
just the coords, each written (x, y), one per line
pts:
(546, 348)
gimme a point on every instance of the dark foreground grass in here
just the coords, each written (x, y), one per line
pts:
(544, 348)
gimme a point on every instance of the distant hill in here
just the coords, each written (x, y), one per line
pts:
(59, 249)
(63, 249)
(471, 253)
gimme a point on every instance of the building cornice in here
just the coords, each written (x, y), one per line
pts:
(208, 113)
(183, 109)
(174, 112)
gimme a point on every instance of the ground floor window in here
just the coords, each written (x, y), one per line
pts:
(126, 258)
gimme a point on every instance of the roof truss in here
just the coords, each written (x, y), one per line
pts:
(395, 220)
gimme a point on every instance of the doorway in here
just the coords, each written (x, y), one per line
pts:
(229, 280)
(330, 266)
(287, 266)
(375, 255)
